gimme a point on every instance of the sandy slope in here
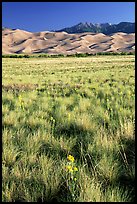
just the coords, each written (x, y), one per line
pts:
(20, 41)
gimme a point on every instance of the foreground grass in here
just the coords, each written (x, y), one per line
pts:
(53, 108)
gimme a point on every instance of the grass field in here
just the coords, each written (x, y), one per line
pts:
(68, 129)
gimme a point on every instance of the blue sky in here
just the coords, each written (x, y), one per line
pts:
(42, 16)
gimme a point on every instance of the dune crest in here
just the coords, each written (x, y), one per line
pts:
(20, 41)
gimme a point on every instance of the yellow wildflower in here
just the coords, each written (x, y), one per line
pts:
(75, 169)
(75, 179)
(70, 158)
(69, 168)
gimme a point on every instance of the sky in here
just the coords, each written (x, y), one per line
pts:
(47, 16)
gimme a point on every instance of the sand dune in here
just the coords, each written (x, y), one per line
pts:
(20, 41)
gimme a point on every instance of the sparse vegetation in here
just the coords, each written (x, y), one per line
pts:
(63, 55)
(68, 129)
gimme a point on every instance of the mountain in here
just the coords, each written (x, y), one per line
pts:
(21, 41)
(105, 28)
(4, 28)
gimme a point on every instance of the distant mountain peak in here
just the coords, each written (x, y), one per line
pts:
(106, 28)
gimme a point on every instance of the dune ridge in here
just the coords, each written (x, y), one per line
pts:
(20, 41)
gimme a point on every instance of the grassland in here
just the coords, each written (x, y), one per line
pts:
(53, 108)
